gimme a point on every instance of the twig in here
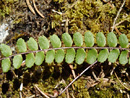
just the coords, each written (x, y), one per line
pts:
(95, 77)
(72, 95)
(119, 23)
(112, 70)
(78, 77)
(16, 76)
(72, 70)
(118, 14)
(30, 7)
(41, 91)
(128, 96)
(66, 25)
(32, 96)
(121, 82)
(37, 9)
(67, 93)
(21, 88)
(20, 95)
(60, 13)
(127, 75)
(117, 31)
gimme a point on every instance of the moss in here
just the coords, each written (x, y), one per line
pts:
(56, 20)
(93, 15)
(6, 7)
(108, 92)
(90, 15)
(80, 87)
(59, 1)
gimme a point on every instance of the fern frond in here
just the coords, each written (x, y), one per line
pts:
(71, 52)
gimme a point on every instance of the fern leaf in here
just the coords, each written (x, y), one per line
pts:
(43, 42)
(21, 45)
(30, 59)
(80, 56)
(6, 64)
(111, 39)
(59, 56)
(55, 41)
(123, 40)
(17, 61)
(5, 50)
(70, 55)
(89, 39)
(103, 55)
(78, 39)
(32, 44)
(91, 56)
(113, 55)
(123, 57)
(39, 58)
(101, 39)
(50, 55)
(67, 39)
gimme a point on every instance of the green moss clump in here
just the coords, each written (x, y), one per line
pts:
(59, 1)
(56, 20)
(105, 93)
(93, 15)
(88, 15)
(6, 7)
(80, 87)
